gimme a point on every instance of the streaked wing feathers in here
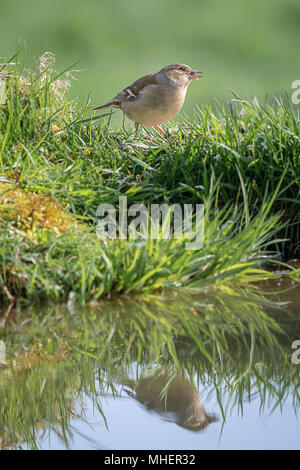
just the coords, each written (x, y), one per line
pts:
(131, 92)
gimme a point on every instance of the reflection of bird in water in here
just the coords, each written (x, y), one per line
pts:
(176, 396)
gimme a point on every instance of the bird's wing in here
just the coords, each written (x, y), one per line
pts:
(132, 92)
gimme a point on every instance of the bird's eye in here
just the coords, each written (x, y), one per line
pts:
(182, 68)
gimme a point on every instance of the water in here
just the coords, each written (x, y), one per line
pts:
(131, 426)
(215, 371)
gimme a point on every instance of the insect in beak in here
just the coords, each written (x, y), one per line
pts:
(195, 74)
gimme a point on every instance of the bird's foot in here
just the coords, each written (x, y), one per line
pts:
(136, 129)
(161, 130)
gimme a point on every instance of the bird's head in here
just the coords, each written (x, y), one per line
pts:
(179, 75)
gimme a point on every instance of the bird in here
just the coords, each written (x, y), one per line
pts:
(155, 98)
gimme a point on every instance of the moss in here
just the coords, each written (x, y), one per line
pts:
(29, 211)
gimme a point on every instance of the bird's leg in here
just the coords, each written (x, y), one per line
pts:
(161, 130)
(136, 128)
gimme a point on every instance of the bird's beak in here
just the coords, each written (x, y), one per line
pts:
(195, 74)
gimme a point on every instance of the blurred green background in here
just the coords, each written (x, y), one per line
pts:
(251, 47)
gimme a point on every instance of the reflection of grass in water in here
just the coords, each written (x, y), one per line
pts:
(226, 342)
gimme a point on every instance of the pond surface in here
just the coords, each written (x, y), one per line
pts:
(216, 371)
(131, 427)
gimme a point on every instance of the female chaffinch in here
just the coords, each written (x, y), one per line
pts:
(154, 99)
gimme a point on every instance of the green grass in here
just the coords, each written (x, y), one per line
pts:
(241, 162)
(54, 266)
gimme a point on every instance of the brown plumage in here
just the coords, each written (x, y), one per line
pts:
(154, 99)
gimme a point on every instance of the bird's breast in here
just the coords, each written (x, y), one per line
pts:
(154, 105)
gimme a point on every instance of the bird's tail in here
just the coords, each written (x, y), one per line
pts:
(110, 104)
